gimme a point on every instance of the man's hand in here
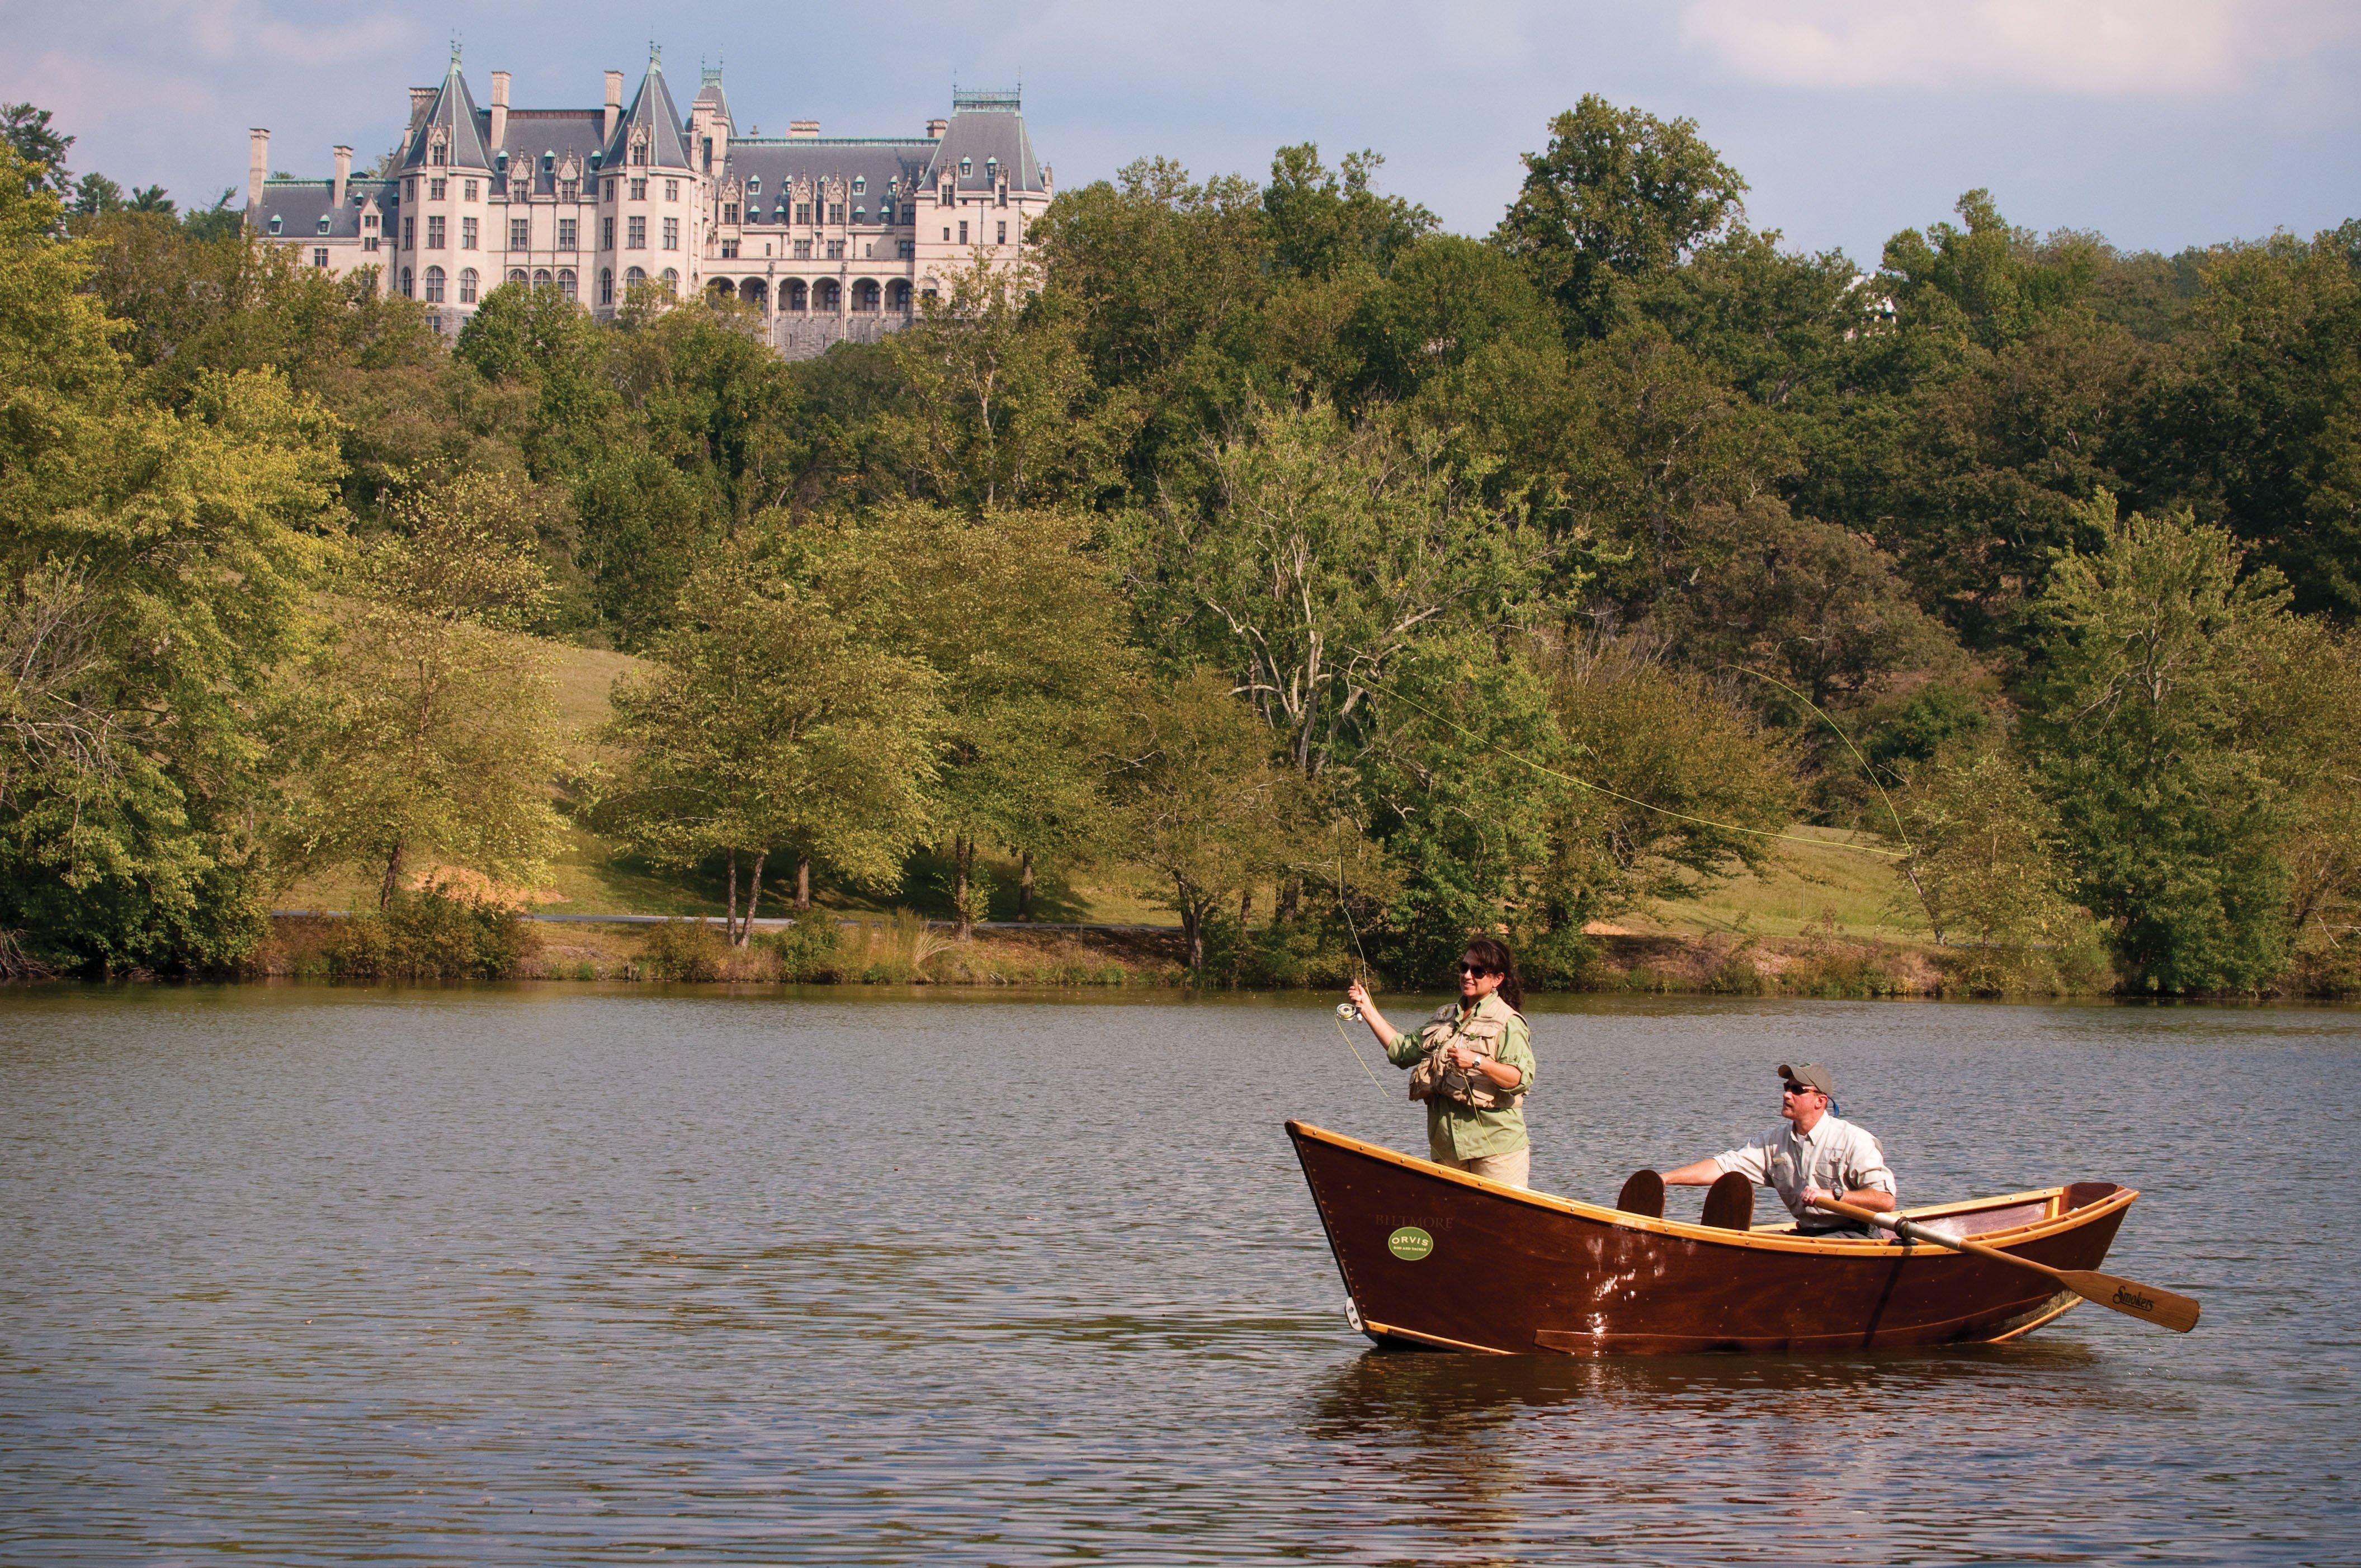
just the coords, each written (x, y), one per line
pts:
(1819, 1194)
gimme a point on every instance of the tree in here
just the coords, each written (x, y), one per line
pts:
(1817, 607)
(1318, 221)
(1203, 804)
(1320, 552)
(154, 565)
(433, 736)
(2147, 667)
(1987, 868)
(1021, 623)
(1446, 298)
(1617, 195)
(40, 148)
(1680, 783)
(1000, 409)
(767, 723)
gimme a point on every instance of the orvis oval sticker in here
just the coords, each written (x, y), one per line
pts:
(1409, 1244)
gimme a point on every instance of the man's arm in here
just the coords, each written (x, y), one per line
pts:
(1696, 1173)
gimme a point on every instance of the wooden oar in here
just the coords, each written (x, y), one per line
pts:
(2145, 1303)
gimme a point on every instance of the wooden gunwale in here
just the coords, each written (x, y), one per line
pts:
(1768, 1240)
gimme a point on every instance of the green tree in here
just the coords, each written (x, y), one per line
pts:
(1446, 298)
(1988, 869)
(1318, 222)
(40, 148)
(768, 723)
(1021, 625)
(1617, 195)
(1679, 784)
(1201, 800)
(433, 730)
(154, 564)
(1001, 410)
(2149, 668)
(1322, 550)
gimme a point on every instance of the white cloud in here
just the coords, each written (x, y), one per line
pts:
(2081, 48)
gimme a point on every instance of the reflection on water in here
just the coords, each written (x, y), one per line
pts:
(541, 1275)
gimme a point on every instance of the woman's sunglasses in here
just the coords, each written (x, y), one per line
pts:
(1476, 969)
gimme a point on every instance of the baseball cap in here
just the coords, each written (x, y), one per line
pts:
(1812, 1074)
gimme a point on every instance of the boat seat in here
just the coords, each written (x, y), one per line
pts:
(1642, 1194)
(1729, 1203)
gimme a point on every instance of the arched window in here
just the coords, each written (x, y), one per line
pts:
(793, 296)
(634, 278)
(672, 282)
(516, 275)
(753, 292)
(721, 289)
(408, 290)
(467, 286)
(541, 278)
(864, 296)
(606, 285)
(897, 295)
(435, 285)
(826, 295)
(565, 284)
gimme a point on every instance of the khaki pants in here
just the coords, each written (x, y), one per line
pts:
(1512, 1169)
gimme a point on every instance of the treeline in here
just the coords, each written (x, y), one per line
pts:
(1361, 583)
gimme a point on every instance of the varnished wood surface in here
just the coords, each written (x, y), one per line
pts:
(1516, 1272)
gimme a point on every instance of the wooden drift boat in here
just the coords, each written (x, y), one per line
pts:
(1437, 1259)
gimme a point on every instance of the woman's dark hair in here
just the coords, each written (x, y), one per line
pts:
(1494, 954)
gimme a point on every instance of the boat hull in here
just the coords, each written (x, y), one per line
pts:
(1438, 1260)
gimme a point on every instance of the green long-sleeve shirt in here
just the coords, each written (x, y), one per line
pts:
(1461, 1131)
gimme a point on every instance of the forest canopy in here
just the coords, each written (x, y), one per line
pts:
(1342, 578)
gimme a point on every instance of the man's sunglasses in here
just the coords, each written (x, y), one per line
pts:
(1799, 1088)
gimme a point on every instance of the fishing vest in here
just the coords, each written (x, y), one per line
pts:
(1482, 1032)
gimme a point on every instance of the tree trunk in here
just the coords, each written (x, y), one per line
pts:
(393, 877)
(1192, 927)
(1238, 954)
(962, 856)
(754, 896)
(1290, 896)
(730, 919)
(1024, 888)
(803, 884)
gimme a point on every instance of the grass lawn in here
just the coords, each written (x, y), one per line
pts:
(1803, 887)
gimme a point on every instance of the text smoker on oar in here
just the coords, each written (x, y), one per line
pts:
(1455, 1252)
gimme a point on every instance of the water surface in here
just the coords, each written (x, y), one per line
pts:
(555, 1274)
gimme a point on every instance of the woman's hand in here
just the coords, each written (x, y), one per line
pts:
(1358, 995)
(1459, 1056)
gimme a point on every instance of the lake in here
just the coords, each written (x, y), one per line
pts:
(570, 1274)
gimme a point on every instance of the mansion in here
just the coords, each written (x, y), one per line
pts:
(829, 238)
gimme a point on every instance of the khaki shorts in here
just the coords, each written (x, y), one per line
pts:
(1512, 1169)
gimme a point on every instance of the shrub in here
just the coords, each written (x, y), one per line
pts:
(430, 934)
(808, 949)
(687, 949)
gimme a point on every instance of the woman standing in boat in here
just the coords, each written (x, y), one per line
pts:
(1473, 1065)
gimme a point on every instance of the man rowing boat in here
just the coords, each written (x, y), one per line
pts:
(1817, 1154)
(1473, 1065)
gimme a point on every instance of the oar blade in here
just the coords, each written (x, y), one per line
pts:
(2145, 1303)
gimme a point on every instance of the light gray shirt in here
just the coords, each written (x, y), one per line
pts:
(1835, 1155)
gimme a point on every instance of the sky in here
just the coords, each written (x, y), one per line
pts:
(2159, 124)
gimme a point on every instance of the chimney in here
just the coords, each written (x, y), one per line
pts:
(934, 129)
(803, 128)
(257, 164)
(614, 104)
(499, 110)
(421, 100)
(344, 176)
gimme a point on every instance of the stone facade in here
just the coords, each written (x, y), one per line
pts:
(829, 238)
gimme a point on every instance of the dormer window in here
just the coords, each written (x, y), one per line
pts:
(274, 223)
(549, 163)
(992, 169)
(754, 185)
(967, 167)
(596, 159)
(324, 221)
(860, 183)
